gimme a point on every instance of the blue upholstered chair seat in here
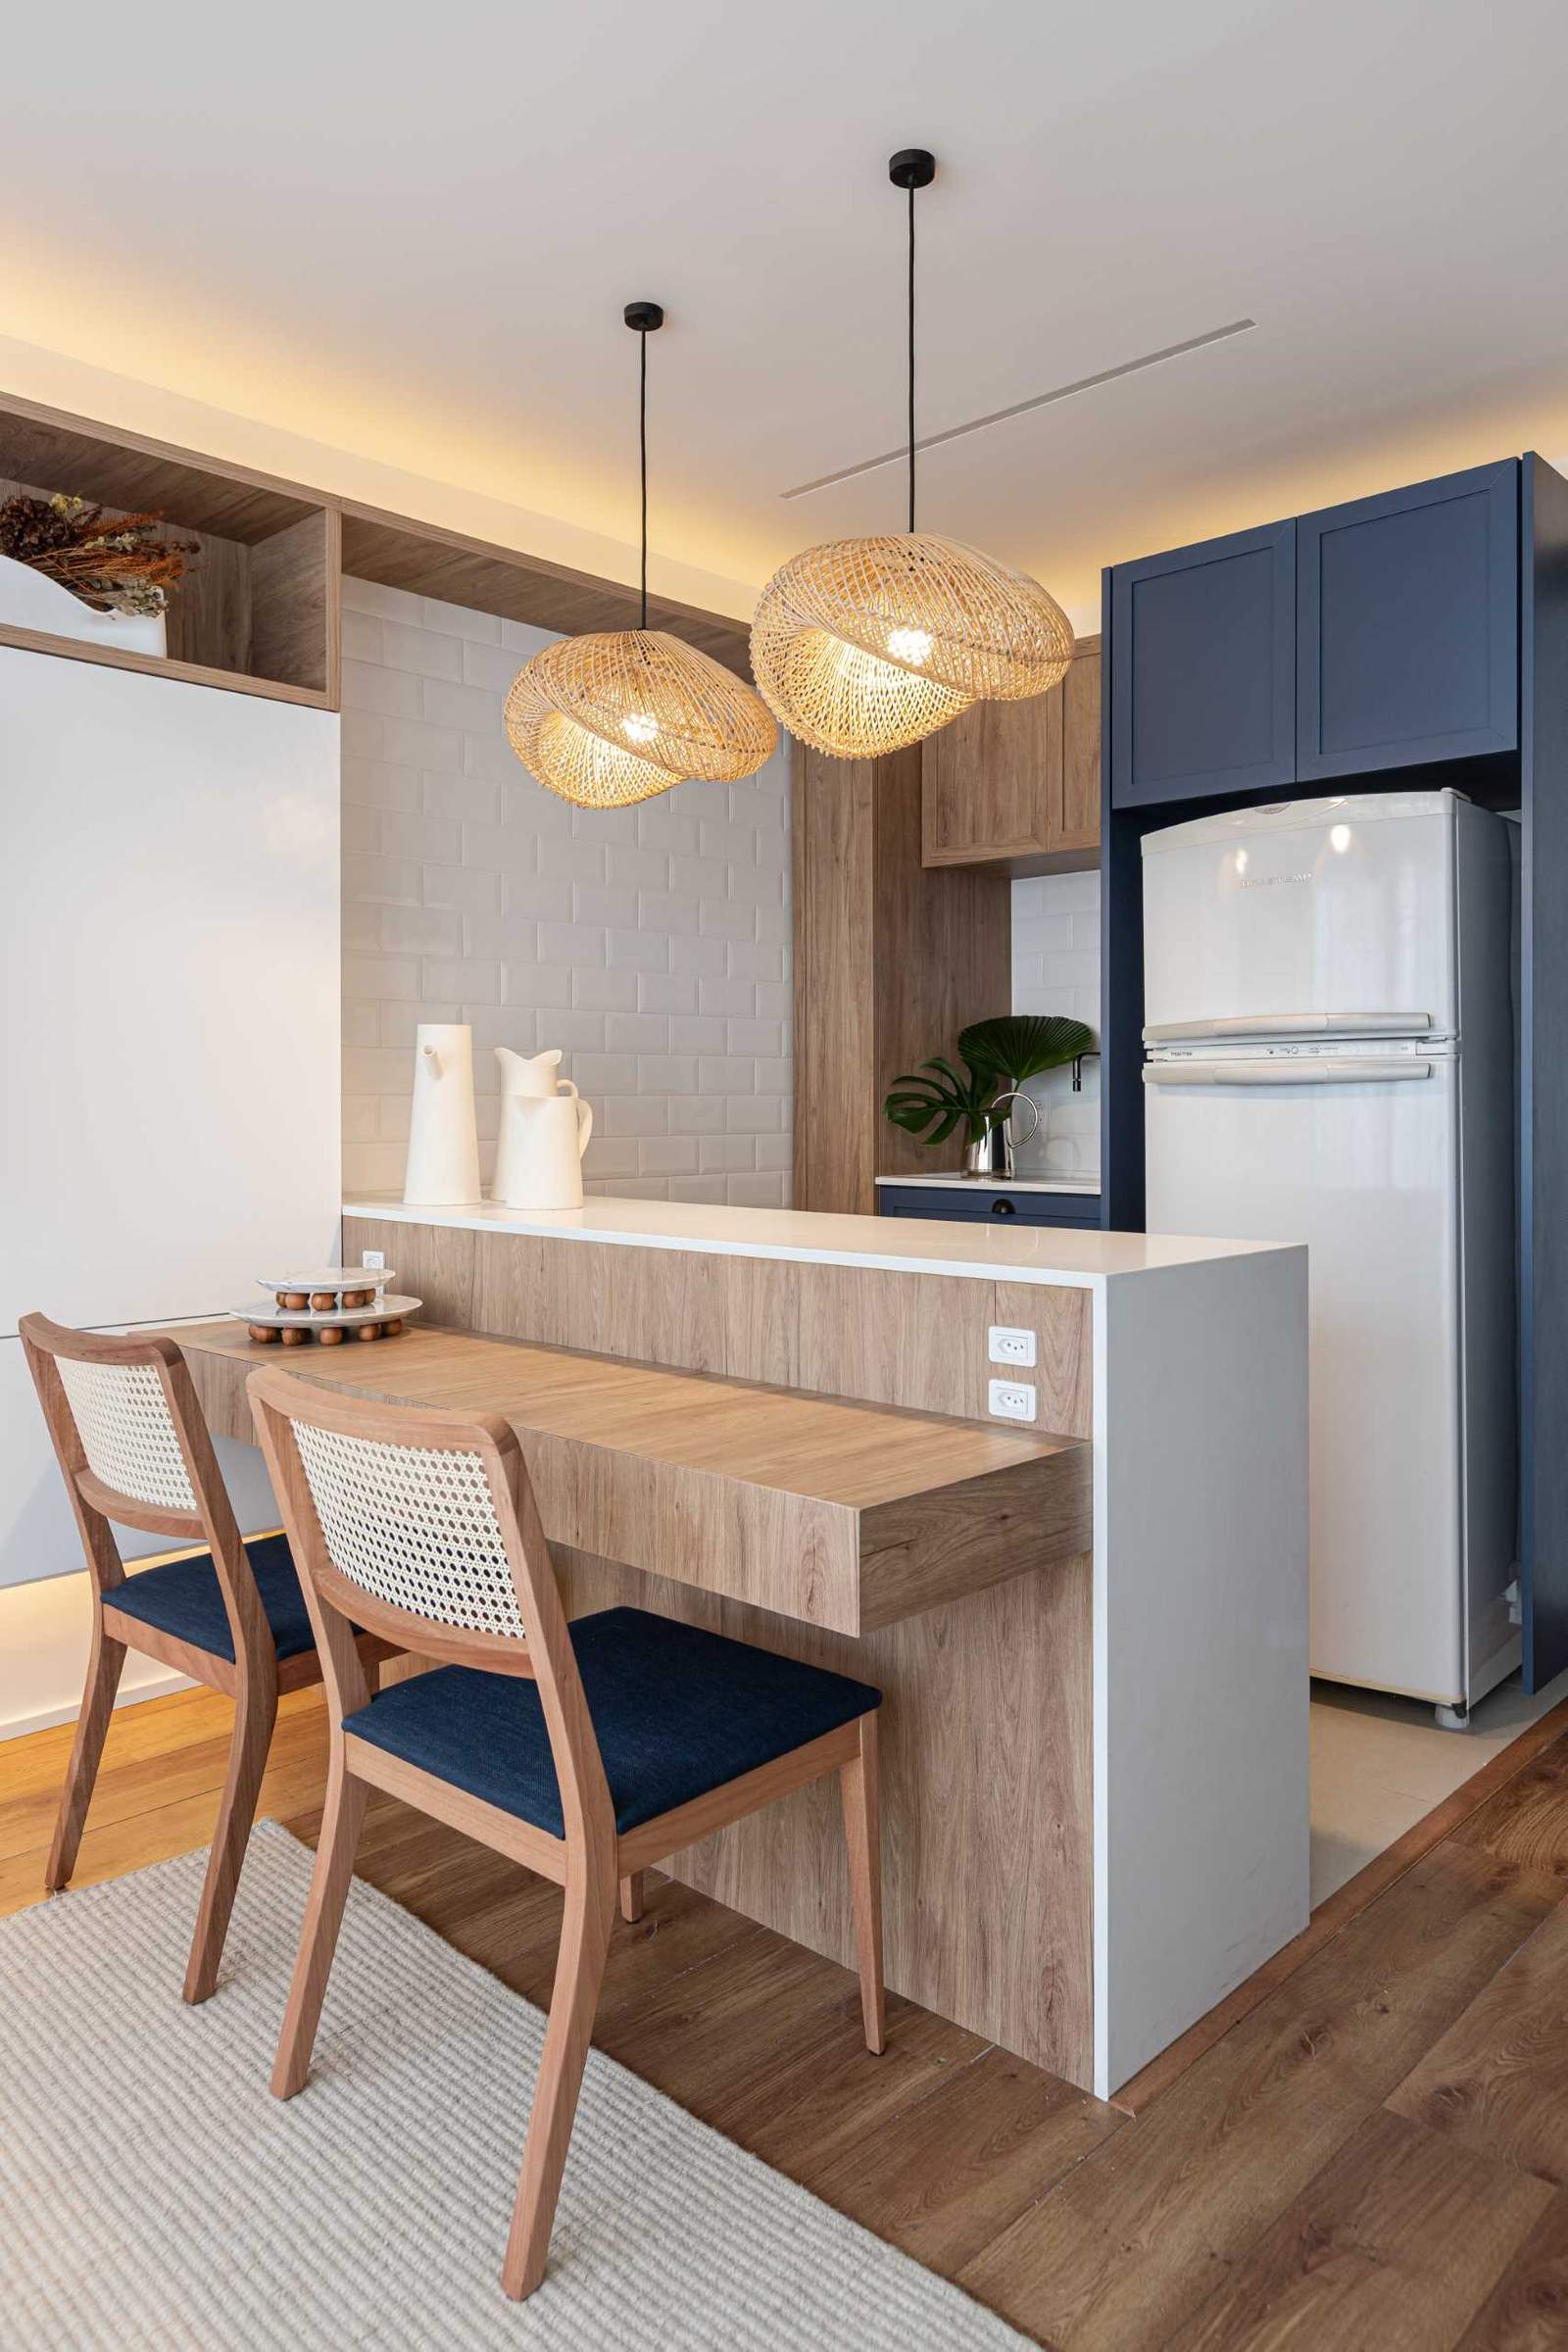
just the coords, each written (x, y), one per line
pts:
(677, 1711)
(184, 1599)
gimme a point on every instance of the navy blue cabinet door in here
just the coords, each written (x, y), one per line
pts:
(1407, 637)
(1203, 669)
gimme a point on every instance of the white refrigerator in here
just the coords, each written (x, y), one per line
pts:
(1328, 1033)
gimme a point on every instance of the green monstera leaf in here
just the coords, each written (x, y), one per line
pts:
(942, 1102)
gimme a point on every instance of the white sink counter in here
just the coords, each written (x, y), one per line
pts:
(1074, 1259)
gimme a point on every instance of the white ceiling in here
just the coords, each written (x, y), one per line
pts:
(407, 232)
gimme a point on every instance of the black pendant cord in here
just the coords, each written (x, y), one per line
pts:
(911, 357)
(911, 169)
(642, 457)
(643, 319)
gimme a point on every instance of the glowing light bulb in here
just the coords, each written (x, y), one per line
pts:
(909, 645)
(1340, 838)
(639, 728)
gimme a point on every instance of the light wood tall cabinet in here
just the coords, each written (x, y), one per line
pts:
(1016, 785)
(892, 959)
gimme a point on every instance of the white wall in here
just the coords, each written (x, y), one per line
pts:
(652, 944)
(169, 995)
(1056, 968)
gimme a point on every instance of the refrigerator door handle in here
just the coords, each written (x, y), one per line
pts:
(1341, 1070)
(1294, 1024)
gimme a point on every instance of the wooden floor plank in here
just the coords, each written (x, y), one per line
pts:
(966, 2161)
(863, 2097)
(1527, 1823)
(1497, 2079)
(1119, 2256)
(1344, 1905)
(1396, 2243)
(1527, 2311)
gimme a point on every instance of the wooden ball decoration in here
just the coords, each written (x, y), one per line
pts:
(322, 1301)
(262, 1333)
(293, 1302)
(292, 1336)
(358, 1297)
(389, 1331)
(366, 1330)
(331, 1336)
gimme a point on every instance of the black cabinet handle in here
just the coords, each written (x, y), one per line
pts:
(1002, 1208)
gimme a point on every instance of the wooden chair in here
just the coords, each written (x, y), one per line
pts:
(584, 1754)
(134, 1449)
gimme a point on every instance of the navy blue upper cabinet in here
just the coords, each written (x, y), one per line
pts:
(1203, 669)
(1407, 642)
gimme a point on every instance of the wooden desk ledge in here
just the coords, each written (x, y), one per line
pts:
(848, 1515)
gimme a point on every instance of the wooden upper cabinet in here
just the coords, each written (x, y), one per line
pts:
(1408, 641)
(1016, 785)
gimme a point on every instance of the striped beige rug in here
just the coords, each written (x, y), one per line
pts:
(152, 2191)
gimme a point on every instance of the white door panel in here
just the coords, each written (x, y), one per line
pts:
(1333, 916)
(170, 1066)
(1364, 1173)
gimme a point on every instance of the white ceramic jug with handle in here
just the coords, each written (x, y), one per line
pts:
(528, 1074)
(527, 1078)
(443, 1163)
(543, 1138)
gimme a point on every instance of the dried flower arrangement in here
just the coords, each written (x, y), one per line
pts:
(116, 565)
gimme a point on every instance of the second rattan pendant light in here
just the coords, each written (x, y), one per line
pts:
(861, 646)
(617, 716)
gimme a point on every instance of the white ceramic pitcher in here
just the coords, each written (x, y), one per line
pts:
(543, 1138)
(530, 1078)
(443, 1163)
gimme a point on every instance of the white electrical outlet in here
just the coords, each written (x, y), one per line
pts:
(374, 1262)
(1010, 1347)
(1013, 1400)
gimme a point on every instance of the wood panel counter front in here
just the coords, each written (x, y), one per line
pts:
(845, 1515)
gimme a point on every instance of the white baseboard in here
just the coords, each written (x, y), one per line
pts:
(45, 1629)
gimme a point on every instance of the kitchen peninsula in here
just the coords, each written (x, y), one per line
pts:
(1091, 1627)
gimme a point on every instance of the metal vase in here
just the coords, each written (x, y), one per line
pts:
(990, 1157)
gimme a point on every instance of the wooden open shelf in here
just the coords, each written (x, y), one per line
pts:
(257, 609)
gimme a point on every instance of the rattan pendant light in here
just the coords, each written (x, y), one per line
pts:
(617, 716)
(861, 646)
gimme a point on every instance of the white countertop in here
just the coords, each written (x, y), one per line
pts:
(1075, 1258)
(1083, 1186)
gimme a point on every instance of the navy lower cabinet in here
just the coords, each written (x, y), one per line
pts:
(1408, 626)
(1202, 676)
(987, 1203)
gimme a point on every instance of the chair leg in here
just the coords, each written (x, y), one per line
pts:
(631, 1896)
(579, 1971)
(341, 1822)
(858, 1788)
(105, 1661)
(254, 1712)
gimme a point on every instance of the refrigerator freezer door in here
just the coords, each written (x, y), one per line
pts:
(1317, 917)
(1363, 1170)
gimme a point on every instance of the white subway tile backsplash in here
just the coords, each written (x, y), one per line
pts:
(470, 799)
(1055, 969)
(469, 888)
(421, 650)
(638, 951)
(423, 931)
(607, 990)
(650, 943)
